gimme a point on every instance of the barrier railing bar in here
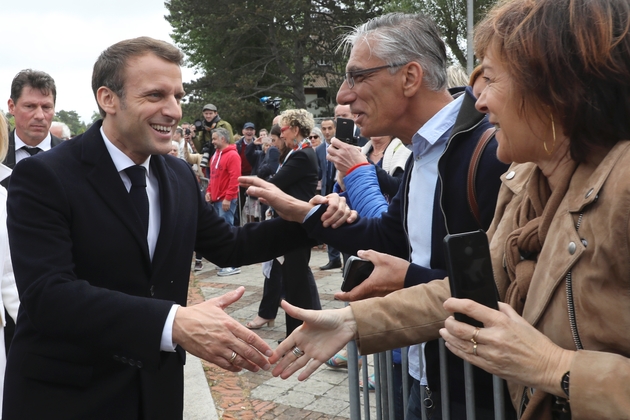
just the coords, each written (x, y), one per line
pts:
(404, 354)
(389, 362)
(499, 401)
(470, 391)
(446, 398)
(353, 381)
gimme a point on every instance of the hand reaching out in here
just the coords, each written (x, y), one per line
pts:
(206, 331)
(322, 335)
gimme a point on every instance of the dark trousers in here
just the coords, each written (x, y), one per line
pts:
(272, 292)
(333, 254)
(299, 284)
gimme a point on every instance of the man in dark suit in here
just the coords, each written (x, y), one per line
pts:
(102, 258)
(32, 104)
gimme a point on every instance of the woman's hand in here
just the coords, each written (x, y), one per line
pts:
(507, 346)
(322, 335)
(388, 276)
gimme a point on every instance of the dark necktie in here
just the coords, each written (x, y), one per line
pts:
(138, 193)
(32, 150)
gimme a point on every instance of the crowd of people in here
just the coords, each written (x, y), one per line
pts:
(102, 231)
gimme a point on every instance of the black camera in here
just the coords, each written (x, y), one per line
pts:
(205, 151)
(272, 104)
(202, 125)
(187, 132)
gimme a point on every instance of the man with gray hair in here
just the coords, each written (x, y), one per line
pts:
(222, 192)
(396, 85)
(61, 130)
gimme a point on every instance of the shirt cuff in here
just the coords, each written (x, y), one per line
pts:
(166, 344)
(311, 211)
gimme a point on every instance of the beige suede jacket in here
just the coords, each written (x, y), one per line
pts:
(598, 258)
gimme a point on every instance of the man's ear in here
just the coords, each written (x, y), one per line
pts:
(412, 74)
(107, 100)
(11, 105)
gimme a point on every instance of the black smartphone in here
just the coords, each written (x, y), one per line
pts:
(345, 131)
(469, 270)
(355, 271)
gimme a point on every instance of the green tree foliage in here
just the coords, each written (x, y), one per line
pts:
(450, 16)
(247, 49)
(10, 120)
(72, 120)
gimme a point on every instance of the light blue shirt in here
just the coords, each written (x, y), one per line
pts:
(428, 145)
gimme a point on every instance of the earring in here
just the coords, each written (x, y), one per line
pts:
(553, 130)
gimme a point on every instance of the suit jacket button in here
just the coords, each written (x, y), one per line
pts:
(123, 359)
(139, 364)
(132, 362)
(116, 358)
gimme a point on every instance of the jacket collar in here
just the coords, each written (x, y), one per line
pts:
(580, 197)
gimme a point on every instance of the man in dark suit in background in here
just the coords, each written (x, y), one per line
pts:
(102, 230)
(32, 104)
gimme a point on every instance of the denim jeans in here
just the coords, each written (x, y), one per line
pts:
(228, 216)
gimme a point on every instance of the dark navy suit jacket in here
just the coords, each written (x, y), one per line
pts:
(93, 304)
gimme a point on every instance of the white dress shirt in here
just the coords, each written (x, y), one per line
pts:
(122, 162)
(20, 153)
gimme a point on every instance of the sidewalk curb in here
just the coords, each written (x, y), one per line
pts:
(198, 401)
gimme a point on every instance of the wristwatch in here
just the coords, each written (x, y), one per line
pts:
(564, 383)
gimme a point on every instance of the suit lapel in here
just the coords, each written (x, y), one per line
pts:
(10, 159)
(107, 183)
(169, 192)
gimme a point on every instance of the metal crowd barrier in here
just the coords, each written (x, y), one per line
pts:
(384, 387)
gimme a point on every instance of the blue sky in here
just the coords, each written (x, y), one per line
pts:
(64, 38)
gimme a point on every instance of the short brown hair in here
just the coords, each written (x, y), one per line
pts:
(570, 58)
(109, 69)
(36, 80)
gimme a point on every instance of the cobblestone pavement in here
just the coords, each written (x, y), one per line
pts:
(248, 395)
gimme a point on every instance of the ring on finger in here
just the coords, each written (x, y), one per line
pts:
(233, 357)
(475, 335)
(297, 352)
(475, 349)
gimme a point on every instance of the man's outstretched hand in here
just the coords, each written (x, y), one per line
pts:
(294, 210)
(206, 331)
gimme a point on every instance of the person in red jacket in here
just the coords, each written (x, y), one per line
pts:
(222, 191)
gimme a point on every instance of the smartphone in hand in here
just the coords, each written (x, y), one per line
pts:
(345, 131)
(355, 271)
(469, 270)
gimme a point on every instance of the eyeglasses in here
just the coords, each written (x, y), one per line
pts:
(313, 137)
(350, 75)
(285, 128)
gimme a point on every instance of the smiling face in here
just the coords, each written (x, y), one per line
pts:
(209, 115)
(33, 114)
(288, 134)
(142, 122)
(376, 98)
(520, 134)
